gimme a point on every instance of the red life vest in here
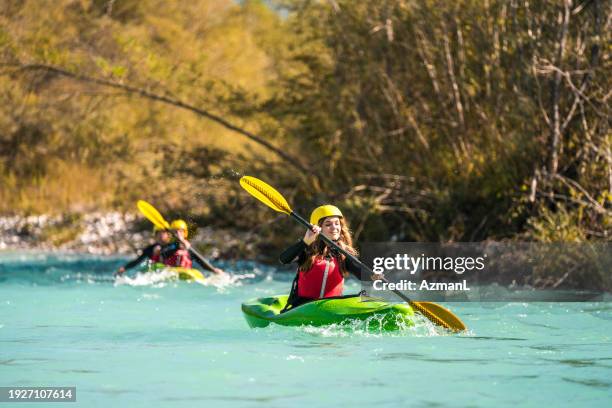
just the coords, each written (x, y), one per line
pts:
(180, 258)
(324, 279)
(156, 255)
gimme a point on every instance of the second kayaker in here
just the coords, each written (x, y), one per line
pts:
(321, 270)
(152, 253)
(180, 252)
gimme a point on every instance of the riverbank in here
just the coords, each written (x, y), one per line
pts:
(110, 233)
(116, 233)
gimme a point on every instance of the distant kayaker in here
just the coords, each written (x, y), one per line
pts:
(151, 252)
(321, 271)
(180, 252)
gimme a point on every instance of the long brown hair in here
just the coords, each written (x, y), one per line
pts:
(319, 249)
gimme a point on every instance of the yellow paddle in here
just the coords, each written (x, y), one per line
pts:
(152, 214)
(158, 220)
(273, 199)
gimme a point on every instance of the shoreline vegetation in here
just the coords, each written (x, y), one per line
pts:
(424, 121)
(115, 233)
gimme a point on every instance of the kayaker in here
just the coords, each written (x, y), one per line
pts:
(180, 252)
(151, 252)
(321, 271)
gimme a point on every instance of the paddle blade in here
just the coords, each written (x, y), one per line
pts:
(439, 315)
(152, 214)
(265, 193)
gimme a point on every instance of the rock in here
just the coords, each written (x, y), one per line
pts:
(113, 233)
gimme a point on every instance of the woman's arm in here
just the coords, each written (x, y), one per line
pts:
(353, 268)
(146, 253)
(169, 249)
(293, 253)
(296, 251)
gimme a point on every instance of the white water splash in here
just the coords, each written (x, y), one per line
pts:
(157, 279)
(373, 326)
(161, 277)
(224, 281)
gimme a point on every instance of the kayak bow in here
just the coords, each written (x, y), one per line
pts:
(182, 273)
(263, 311)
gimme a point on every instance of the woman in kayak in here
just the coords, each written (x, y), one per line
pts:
(152, 252)
(180, 252)
(321, 270)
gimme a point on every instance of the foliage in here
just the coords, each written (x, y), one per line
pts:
(70, 145)
(444, 115)
(424, 120)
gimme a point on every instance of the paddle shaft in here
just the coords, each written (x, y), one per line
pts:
(210, 266)
(195, 251)
(347, 254)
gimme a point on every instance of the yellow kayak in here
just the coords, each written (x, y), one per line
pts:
(183, 273)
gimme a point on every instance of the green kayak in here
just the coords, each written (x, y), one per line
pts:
(383, 315)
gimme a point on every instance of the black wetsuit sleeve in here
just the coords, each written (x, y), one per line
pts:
(203, 262)
(353, 268)
(146, 253)
(294, 253)
(168, 249)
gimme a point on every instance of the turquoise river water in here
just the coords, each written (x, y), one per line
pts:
(144, 341)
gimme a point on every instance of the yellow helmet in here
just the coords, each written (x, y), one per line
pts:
(180, 225)
(324, 211)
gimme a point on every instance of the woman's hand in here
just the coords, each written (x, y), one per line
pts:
(183, 241)
(311, 234)
(120, 271)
